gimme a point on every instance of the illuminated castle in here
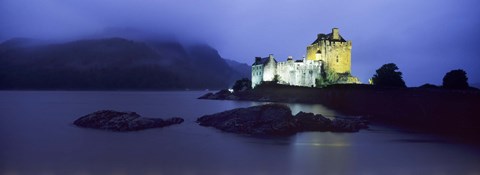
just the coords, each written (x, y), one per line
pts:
(328, 61)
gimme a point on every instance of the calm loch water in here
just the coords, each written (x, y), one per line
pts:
(37, 137)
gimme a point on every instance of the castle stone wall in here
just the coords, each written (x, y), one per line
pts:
(257, 75)
(299, 73)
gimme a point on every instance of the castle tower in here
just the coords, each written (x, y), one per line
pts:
(333, 50)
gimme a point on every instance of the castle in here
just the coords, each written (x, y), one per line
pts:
(328, 61)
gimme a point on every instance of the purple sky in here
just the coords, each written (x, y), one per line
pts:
(425, 38)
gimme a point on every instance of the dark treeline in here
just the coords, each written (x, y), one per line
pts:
(114, 64)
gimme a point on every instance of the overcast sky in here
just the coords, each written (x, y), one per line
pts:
(425, 38)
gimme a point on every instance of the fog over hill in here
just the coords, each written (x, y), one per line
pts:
(477, 85)
(114, 63)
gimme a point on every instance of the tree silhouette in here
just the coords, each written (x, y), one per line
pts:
(242, 85)
(456, 79)
(388, 76)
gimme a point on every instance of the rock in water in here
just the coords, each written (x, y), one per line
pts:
(348, 125)
(311, 122)
(276, 120)
(270, 119)
(122, 121)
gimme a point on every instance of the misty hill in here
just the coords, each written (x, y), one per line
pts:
(242, 68)
(114, 63)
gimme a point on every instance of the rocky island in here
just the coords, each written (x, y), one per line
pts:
(277, 120)
(122, 121)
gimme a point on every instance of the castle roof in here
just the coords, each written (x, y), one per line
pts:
(263, 61)
(328, 37)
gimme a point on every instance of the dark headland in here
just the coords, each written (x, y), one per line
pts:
(451, 112)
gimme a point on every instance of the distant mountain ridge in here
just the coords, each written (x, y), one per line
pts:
(114, 64)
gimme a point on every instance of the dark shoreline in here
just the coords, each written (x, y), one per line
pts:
(442, 111)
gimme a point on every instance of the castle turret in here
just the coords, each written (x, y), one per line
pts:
(335, 35)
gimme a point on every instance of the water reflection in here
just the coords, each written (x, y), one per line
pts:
(313, 149)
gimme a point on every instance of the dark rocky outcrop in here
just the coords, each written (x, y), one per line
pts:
(310, 122)
(276, 120)
(348, 124)
(122, 121)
